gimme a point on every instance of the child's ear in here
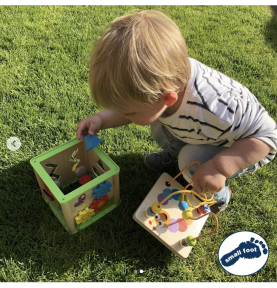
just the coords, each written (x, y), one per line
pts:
(170, 98)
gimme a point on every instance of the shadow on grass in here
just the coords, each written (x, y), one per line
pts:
(270, 31)
(32, 235)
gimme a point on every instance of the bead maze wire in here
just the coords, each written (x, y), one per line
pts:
(193, 194)
(208, 233)
(204, 199)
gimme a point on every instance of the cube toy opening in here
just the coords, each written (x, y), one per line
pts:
(80, 186)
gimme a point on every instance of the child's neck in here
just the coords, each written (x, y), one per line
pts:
(172, 109)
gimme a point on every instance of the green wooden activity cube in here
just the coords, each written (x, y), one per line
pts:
(64, 174)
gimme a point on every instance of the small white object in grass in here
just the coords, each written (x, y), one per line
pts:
(13, 143)
(141, 271)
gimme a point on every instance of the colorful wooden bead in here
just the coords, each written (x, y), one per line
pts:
(203, 209)
(149, 213)
(183, 243)
(180, 197)
(187, 214)
(156, 207)
(189, 241)
(183, 205)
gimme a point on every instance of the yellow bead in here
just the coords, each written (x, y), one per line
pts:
(156, 207)
(187, 214)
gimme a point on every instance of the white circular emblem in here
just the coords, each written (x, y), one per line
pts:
(243, 253)
(13, 143)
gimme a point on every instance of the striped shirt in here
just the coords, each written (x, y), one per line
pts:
(217, 110)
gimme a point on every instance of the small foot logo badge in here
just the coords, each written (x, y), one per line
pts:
(243, 253)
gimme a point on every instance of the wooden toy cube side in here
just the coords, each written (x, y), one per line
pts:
(67, 207)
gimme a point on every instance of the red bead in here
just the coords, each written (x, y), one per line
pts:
(200, 210)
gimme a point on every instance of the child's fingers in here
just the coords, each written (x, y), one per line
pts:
(81, 131)
(196, 187)
(93, 129)
(91, 132)
(86, 126)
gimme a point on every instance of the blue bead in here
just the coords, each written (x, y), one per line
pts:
(184, 243)
(149, 212)
(183, 205)
(206, 208)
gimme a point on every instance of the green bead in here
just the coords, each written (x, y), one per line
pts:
(189, 242)
(180, 198)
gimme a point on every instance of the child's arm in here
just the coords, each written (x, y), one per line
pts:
(112, 119)
(243, 153)
(101, 120)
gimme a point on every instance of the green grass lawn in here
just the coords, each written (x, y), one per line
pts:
(44, 93)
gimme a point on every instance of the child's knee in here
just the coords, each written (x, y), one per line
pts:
(201, 153)
(187, 155)
(156, 129)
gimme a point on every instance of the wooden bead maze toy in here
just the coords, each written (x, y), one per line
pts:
(175, 216)
(79, 181)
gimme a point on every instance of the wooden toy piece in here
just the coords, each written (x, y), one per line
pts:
(203, 209)
(101, 190)
(84, 179)
(183, 205)
(59, 165)
(156, 207)
(189, 241)
(187, 214)
(149, 213)
(98, 204)
(91, 141)
(180, 198)
(84, 215)
(168, 227)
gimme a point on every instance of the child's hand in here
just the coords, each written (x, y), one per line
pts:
(207, 178)
(90, 125)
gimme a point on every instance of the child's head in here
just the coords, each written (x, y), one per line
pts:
(140, 57)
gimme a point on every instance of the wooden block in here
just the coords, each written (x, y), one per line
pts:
(171, 235)
(91, 141)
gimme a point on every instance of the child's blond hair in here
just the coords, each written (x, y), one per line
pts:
(140, 56)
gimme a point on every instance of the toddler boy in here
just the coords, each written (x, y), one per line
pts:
(140, 73)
